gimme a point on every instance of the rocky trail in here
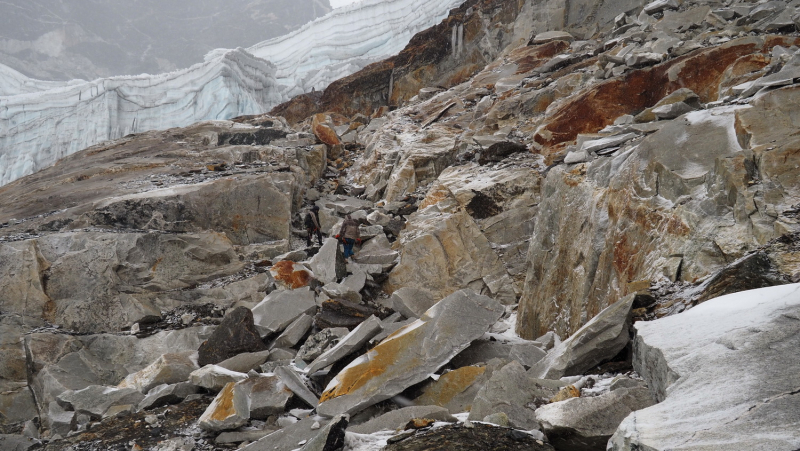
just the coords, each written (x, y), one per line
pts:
(579, 231)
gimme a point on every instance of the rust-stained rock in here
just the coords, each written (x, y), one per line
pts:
(570, 391)
(290, 274)
(229, 410)
(324, 132)
(409, 355)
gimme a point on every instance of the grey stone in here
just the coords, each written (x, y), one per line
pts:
(516, 393)
(294, 332)
(280, 308)
(268, 395)
(673, 110)
(548, 340)
(58, 420)
(482, 351)
(328, 265)
(297, 385)
(10, 442)
(344, 205)
(341, 291)
(695, 363)
(166, 394)
(767, 9)
(412, 353)
(599, 144)
(167, 369)
(577, 156)
(658, 6)
(320, 342)
(499, 418)
(641, 59)
(229, 410)
(397, 419)
(528, 353)
(357, 279)
(549, 36)
(389, 328)
(600, 339)
(378, 218)
(621, 381)
(352, 342)
(242, 436)
(456, 390)
(176, 444)
(377, 251)
(281, 354)
(289, 438)
(214, 377)
(371, 231)
(122, 410)
(245, 362)
(234, 335)
(587, 423)
(94, 400)
(411, 302)
(330, 437)
(293, 256)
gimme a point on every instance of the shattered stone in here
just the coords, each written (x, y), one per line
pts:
(410, 355)
(600, 339)
(167, 369)
(95, 400)
(215, 377)
(289, 437)
(328, 264)
(549, 36)
(294, 332)
(320, 342)
(281, 308)
(516, 393)
(296, 384)
(331, 437)
(245, 362)
(587, 423)
(341, 313)
(166, 394)
(352, 342)
(660, 5)
(411, 302)
(377, 251)
(342, 291)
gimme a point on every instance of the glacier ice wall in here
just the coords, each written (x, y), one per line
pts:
(43, 121)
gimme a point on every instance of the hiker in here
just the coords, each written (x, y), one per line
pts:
(349, 234)
(312, 225)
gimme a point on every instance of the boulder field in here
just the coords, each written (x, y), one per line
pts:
(579, 231)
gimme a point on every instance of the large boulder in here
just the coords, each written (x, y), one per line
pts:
(586, 424)
(600, 339)
(215, 378)
(725, 374)
(516, 393)
(329, 264)
(236, 334)
(444, 252)
(409, 355)
(229, 410)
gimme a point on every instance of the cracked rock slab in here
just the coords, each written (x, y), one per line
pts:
(409, 355)
(349, 344)
(726, 374)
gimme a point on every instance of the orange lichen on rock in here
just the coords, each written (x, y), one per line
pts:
(390, 353)
(224, 403)
(284, 271)
(449, 385)
(568, 392)
(323, 132)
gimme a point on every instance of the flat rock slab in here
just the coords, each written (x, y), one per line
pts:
(587, 423)
(726, 374)
(602, 338)
(397, 419)
(167, 369)
(331, 437)
(167, 394)
(456, 390)
(320, 342)
(245, 362)
(94, 400)
(281, 308)
(234, 335)
(294, 332)
(229, 410)
(349, 344)
(297, 385)
(409, 355)
(289, 438)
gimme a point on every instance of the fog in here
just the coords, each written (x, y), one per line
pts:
(68, 39)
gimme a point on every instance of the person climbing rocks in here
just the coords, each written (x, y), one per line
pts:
(349, 235)
(312, 225)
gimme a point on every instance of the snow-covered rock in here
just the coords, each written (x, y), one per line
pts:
(41, 122)
(726, 373)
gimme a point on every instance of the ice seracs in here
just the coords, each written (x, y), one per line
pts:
(42, 122)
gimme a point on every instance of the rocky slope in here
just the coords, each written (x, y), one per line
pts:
(614, 170)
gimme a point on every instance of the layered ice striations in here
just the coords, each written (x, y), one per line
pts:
(43, 121)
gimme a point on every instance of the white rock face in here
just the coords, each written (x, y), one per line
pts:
(42, 122)
(726, 373)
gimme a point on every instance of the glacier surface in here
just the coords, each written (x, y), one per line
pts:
(43, 121)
